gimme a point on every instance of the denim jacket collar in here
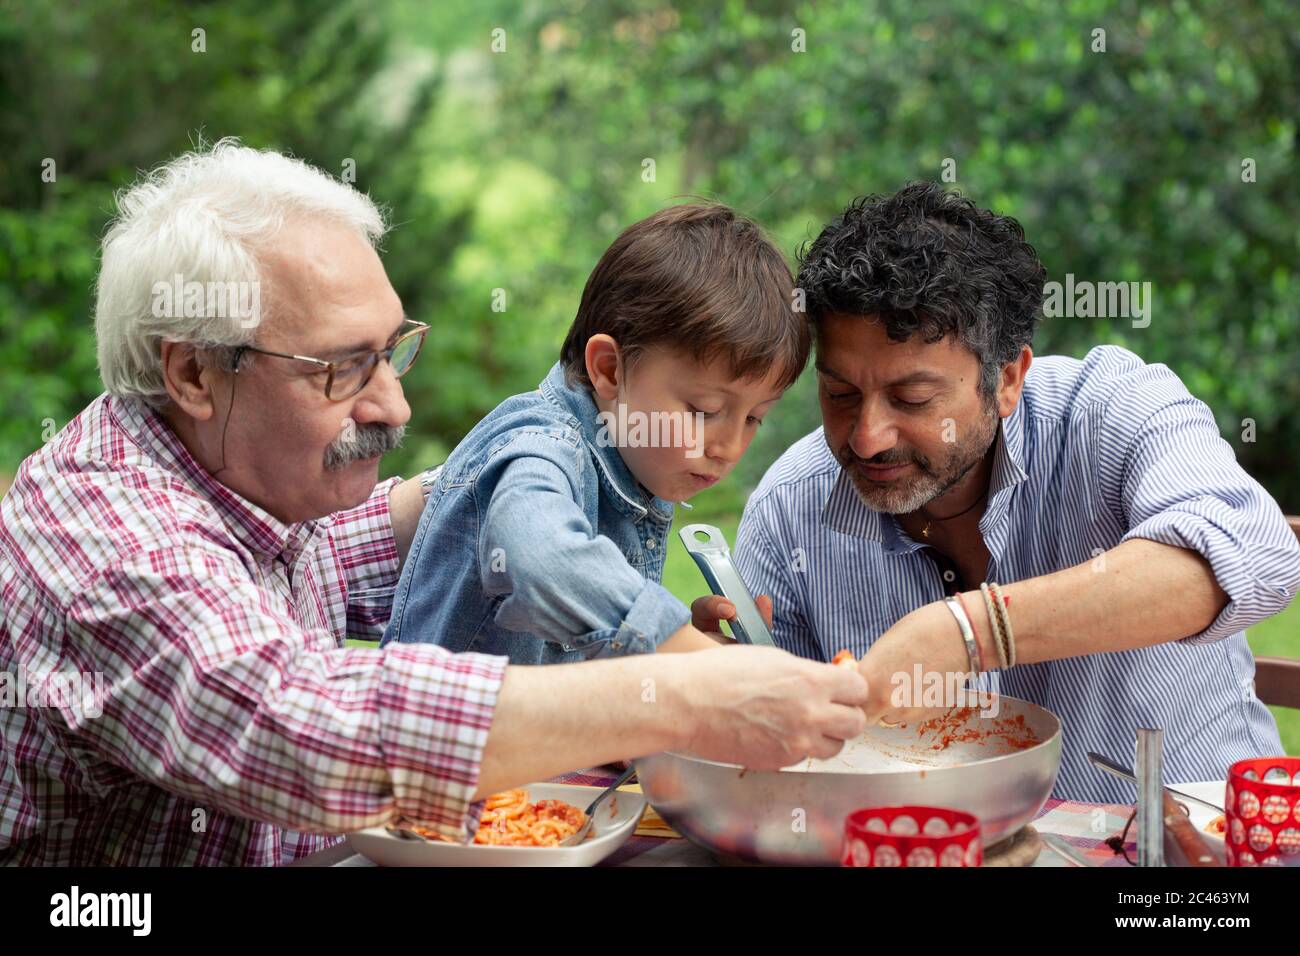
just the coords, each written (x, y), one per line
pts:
(845, 511)
(624, 490)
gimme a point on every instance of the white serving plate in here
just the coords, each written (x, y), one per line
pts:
(616, 820)
(1212, 790)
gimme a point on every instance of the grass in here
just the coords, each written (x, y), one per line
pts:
(1279, 636)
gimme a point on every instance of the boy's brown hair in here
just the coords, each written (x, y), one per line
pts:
(700, 279)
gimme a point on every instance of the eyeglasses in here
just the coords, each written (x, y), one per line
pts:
(351, 374)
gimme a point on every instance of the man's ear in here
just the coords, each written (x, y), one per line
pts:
(604, 365)
(188, 377)
(1012, 381)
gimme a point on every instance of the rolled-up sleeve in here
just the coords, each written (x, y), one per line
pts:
(1181, 485)
(555, 575)
(212, 694)
(365, 549)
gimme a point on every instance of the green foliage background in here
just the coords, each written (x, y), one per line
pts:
(513, 170)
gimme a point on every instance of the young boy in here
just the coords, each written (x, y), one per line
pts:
(543, 536)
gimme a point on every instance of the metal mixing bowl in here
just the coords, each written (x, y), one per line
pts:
(796, 815)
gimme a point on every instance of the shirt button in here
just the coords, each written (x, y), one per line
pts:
(651, 544)
(949, 576)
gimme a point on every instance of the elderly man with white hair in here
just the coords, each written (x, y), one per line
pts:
(180, 565)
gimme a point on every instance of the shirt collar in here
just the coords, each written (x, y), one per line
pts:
(625, 491)
(255, 527)
(845, 511)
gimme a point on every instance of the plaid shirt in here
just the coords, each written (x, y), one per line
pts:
(174, 688)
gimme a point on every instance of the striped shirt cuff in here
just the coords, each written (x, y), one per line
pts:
(1210, 527)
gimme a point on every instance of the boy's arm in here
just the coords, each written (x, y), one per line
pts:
(691, 638)
(558, 578)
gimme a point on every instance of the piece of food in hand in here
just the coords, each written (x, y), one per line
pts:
(845, 659)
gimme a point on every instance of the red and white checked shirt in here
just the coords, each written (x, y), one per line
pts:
(235, 727)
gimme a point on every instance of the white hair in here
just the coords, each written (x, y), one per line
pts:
(202, 216)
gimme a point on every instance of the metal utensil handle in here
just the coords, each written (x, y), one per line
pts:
(714, 560)
(1119, 770)
(579, 835)
(623, 778)
(1182, 839)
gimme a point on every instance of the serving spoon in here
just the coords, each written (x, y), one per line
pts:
(401, 832)
(581, 835)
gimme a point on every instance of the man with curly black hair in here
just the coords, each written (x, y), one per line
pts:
(1138, 547)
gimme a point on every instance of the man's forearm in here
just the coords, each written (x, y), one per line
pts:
(1137, 594)
(552, 719)
(405, 503)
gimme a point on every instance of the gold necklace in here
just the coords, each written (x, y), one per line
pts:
(925, 532)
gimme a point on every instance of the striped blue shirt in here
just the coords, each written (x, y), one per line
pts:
(1097, 451)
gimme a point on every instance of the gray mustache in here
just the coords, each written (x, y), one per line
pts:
(884, 459)
(367, 441)
(877, 461)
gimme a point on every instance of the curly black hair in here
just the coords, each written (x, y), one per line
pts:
(929, 260)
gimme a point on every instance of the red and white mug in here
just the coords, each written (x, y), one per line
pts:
(1261, 809)
(911, 836)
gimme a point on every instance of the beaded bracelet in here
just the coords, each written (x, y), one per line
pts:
(1004, 618)
(995, 623)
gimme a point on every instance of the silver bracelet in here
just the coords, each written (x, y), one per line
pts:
(967, 634)
(428, 478)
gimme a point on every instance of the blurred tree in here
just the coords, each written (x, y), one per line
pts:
(1123, 164)
(510, 143)
(103, 90)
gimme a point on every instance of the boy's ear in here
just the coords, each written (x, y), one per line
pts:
(604, 365)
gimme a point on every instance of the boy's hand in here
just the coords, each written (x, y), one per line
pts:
(705, 630)
(708, 613)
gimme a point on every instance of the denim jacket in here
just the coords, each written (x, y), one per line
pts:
(536, 542)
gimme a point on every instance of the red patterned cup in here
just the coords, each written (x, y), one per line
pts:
(911, 836)
(1261, 808)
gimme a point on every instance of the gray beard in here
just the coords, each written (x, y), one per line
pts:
(932, 483)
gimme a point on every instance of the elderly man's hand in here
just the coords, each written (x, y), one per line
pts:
(766, 709)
